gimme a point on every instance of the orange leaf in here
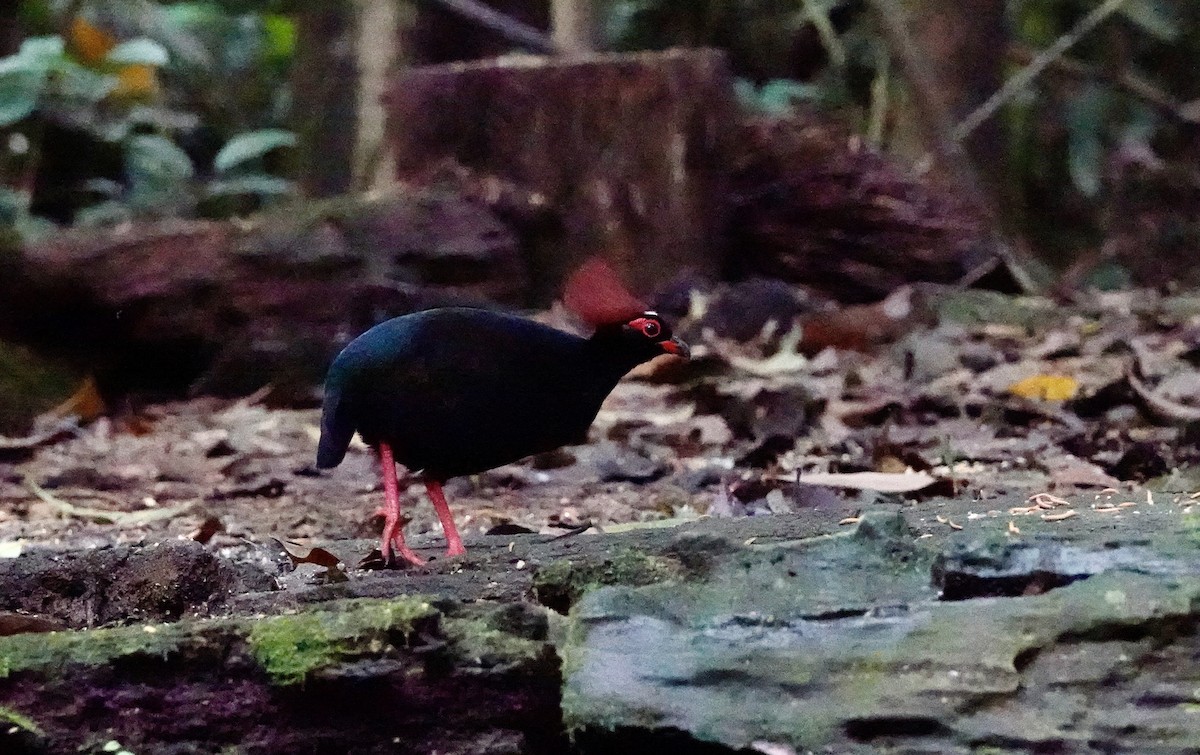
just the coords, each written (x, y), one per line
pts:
(1046, 387)
(86, 403)
(89, 43)
(137, 81)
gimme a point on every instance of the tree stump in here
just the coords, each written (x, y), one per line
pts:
(622, 156)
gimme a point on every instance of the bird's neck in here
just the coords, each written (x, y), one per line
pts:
(610, 357)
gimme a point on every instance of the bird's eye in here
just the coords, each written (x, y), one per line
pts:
(647, 326)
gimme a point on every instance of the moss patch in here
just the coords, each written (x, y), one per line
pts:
(291, 647)
(287, 647)
(476, 641)
(559, 585)
(51, 652)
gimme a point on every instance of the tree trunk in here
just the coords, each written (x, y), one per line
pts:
(964, 44)
(381, 29)
(325, 85)
(575, 26)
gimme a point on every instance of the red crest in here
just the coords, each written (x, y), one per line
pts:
(597, 296)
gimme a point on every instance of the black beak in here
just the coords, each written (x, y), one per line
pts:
(676, 347)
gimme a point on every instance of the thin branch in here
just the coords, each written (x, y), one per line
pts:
(940, 129)
(1124, 80)
(818, 16)
(880, 87)
(1018, 82)
(506, 26)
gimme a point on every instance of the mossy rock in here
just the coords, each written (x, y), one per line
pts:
(560, 584)
(841, 643)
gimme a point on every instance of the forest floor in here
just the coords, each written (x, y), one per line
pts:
(999, 398)
(1006, 419)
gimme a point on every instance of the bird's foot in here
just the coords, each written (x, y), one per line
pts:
(400, 551)
(455, 549)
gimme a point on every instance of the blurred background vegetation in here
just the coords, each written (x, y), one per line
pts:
(116, 110)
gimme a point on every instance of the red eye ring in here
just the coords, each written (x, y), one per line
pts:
(648, 327)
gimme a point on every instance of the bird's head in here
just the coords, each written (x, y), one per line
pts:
(597, 296)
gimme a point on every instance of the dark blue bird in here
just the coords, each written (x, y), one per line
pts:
(456, 391)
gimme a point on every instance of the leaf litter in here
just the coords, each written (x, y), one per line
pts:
(988, 397)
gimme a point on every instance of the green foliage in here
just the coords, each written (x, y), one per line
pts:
(140, 51)
(251, 146)
(167, 84)
(776, 97)
(784, 52)
(41, 74)
(1081, 142)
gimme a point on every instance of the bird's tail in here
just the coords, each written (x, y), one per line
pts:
(337, 429)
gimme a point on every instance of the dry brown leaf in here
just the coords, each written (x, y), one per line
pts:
(209, 527)
(298, 554)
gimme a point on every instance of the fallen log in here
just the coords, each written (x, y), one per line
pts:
(228, 307)
(812, 205)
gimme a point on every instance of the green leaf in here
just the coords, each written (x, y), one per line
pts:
(142, 51)
(1086, 116)
(160, 176)
(1156, 18)
(13, 205)
(280, 32)
(778, 96)
(1085, 160)
(153, 158)
(746, 92)
(1109, 276)
(42, 51)
(106, 213)
(19, 92)
(78, 84)
(38, 56)
(257, 184)
(252, 145)
(192, 14)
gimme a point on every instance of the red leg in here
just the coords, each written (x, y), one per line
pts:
(392, 531)
(453, 541)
